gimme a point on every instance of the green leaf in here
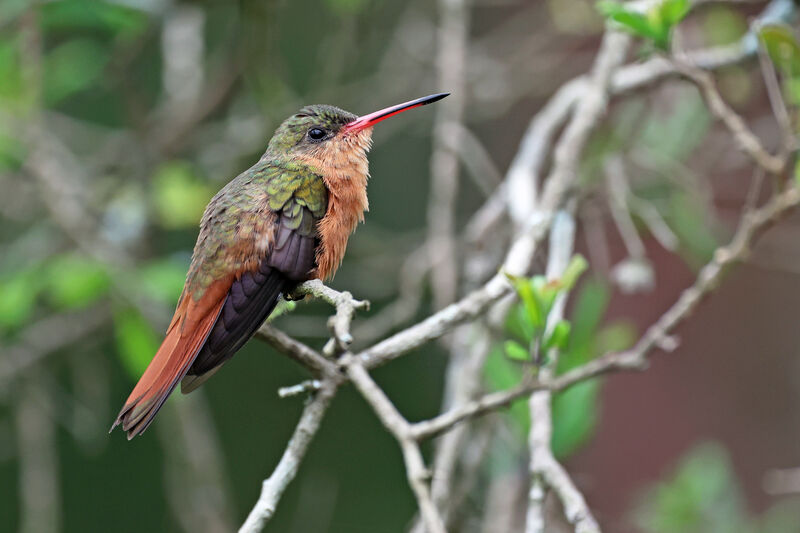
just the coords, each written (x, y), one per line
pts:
(179, 195)
(110, 17)
(782, 48)
(502, 374)
(688, 219)
(545, 293)
(632, 21)
(11, 82)
(74, 281)
(347, 7)
(672, 135)
(702, 495)
(12, 152)
(791, 88)
(533, 306)
(136, 341)
(614, 338)
(797, 173)
(518, 325)
(673, 11)
(559, 336)
(577, 266)
(18, 298)
(587, 314)
(574, 417)
(656, 25)
(516, 351)
(73, 67)
(724, 25)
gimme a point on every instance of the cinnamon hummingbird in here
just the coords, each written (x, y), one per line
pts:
(283, 221)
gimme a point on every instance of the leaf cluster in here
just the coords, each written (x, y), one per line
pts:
(578, 340)
(655, 25)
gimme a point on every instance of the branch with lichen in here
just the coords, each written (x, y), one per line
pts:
(531, 201)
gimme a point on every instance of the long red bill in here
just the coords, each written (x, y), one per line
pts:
(370, 120)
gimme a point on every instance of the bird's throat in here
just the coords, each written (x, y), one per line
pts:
(345, 169)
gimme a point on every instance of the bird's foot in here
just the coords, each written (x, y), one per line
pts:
(292, 296)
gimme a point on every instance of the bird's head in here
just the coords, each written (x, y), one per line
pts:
(328, 137)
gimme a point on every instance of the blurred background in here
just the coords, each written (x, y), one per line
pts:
(120, 119)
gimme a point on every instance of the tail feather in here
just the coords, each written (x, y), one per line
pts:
(186, 335)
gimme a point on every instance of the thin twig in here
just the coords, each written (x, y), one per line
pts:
(39, 484)
(567, 156)
(418, 475)
(545, 471)
(46, 337)
(775, 94)
(452, 36)
(656, 336)
(286, 470)
(295, 349)
(746, 139)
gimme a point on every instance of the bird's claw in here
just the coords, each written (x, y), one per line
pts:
(293, 296)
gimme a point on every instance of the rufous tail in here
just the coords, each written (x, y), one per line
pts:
(186, 335)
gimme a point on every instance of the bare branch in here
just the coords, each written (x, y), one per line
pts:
(437, 324)
(298, 351)
(779, 110)
(586, 99)
(310, 385)
(656, 336)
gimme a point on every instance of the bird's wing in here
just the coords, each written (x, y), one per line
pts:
(252, 297)
(234, 281)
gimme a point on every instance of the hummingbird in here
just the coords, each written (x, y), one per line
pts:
(283, 221)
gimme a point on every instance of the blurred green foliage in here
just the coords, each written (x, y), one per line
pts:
(724, 26)
(162, 279)
(73, 281)
(72, 67)
(782, 47)
(179, 195)
(66, 281)
(136, 341)
(703, 494)
(659, 141)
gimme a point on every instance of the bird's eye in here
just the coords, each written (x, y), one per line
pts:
(316, 134)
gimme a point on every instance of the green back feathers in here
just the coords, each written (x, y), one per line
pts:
(295, 190)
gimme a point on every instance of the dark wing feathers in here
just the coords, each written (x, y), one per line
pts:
(251, 299)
